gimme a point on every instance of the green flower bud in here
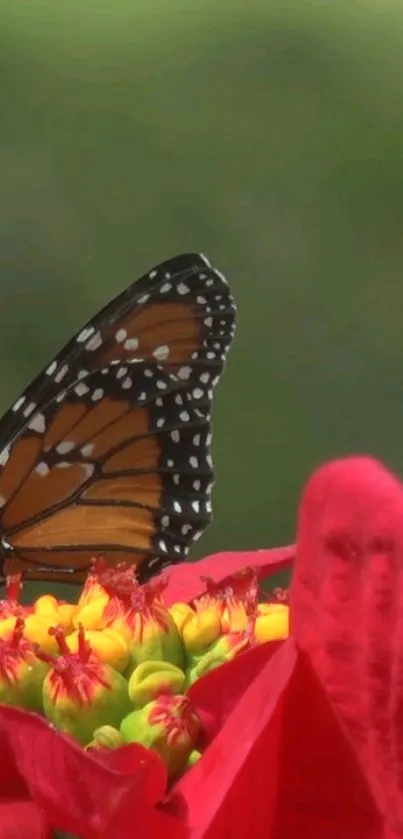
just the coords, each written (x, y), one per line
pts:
(150, 679)
(193, 758)
(147, 626)
(224, 649)
(81, 693)
(169, 726)
(106, 737)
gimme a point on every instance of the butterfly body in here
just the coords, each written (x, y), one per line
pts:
(108, 450)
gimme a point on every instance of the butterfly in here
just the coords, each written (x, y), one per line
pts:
(107, 452)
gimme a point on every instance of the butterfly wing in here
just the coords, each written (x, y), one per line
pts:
(113, 456)
(181, 314)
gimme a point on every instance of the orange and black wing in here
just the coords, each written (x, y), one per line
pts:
(108, 451)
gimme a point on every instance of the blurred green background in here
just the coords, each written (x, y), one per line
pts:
(269, 135)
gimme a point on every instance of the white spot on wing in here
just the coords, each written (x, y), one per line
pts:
(87, 450)
(84, 334)
(121, 335)
(28, 410)
(88, 469)
(62, 373)
(65, 446)
(131, 344)
(42, 468)
(184, 372)
(18, 403)
(4, 455)
(51, 369)
(38, 424)
(95, 342)
(81, 389)
(161, 353)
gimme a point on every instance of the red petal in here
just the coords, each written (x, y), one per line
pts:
(347, 612)
(321, 789)
(185, 583)
(280, 767)
(217, 694)
(80, 791)
(22, 820)
(12, 785)
(228, 792)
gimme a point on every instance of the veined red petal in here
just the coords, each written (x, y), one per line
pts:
(12, 784)
(280, 768)
(82, 792)
(347, 612)
(217, 694)
(185, 581)
(22, 820)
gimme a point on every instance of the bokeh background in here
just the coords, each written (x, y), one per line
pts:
(267, 134)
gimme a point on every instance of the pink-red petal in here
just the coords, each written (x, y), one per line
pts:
(280, 767)
(347, 612)
(81, 792)
(217, 694)
(22, 820)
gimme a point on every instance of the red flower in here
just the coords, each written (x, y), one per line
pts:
(109, 793)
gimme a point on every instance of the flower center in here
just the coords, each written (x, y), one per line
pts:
(75, 674)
